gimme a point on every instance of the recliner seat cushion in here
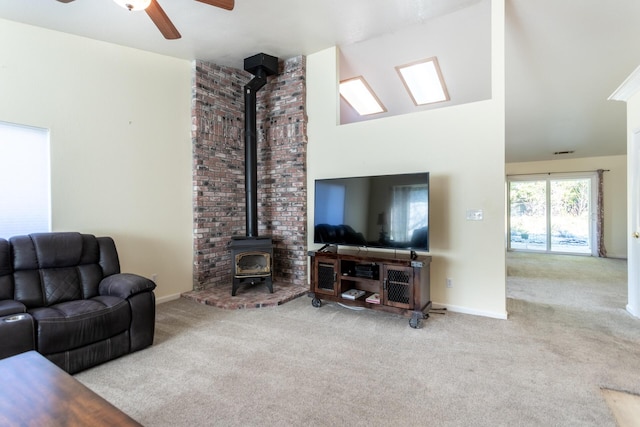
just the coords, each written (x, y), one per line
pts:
(74, 324)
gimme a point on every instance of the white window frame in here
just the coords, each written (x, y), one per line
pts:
(17, 180)
(548, 177)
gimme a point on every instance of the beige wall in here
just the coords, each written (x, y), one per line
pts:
(463, 149)
(121, 155)
(614, 191)
(119, 122)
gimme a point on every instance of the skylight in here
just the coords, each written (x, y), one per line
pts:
(357, 93)
(423, 80)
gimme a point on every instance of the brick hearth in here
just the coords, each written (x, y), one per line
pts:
(248, 296)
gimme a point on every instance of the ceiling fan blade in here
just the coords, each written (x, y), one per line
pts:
(162, 21)
(225, 4)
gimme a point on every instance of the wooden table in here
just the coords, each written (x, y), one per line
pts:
(35, 392)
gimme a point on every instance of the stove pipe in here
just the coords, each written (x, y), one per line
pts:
(261, 66)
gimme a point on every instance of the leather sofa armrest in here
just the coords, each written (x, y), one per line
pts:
(17, 333)
(125, 285)
(9, 306)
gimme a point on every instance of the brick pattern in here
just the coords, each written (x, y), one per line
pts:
(218, 169)
(248, 296)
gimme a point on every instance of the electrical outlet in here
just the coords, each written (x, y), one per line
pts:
(449, 283)
(154, 277)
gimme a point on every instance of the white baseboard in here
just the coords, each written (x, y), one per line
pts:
(467, 310)
(633, 311)
(167, 298)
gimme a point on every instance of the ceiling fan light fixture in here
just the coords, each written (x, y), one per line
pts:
(134, 5)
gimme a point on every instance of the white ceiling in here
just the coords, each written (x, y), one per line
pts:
(563, 57)
(563, 60)
(465, 66)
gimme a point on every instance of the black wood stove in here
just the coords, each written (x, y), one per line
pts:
(252, 255)
(252, 261)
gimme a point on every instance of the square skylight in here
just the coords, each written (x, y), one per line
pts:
(423, 80)
(357, 93)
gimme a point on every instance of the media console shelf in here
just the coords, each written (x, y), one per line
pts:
(402, 284)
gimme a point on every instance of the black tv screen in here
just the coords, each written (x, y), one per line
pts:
(383, 211)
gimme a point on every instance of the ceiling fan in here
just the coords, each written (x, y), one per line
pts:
(159, 17)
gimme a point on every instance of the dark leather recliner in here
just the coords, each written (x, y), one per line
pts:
(338, 234)
(420, 237)
(63, 295)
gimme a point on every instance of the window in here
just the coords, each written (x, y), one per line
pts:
(409, 210)
(423, 80)
(552, 214)
(24, 180)
(357, 93)
(329, 203)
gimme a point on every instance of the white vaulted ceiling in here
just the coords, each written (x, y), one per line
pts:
(563, 57)
(563, 60)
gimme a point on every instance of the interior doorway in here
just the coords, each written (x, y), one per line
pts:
(552, 213)
(633, 247)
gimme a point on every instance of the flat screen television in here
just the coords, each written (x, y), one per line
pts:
(383, 211)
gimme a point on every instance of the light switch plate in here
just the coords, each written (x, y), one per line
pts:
(474, 214)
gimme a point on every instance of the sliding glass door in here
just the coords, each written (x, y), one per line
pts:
(528, 215)
(570, 222)
(552, 213)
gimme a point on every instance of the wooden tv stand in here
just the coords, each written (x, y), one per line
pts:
(402, 283)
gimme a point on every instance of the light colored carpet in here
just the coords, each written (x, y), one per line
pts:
(567, 337)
